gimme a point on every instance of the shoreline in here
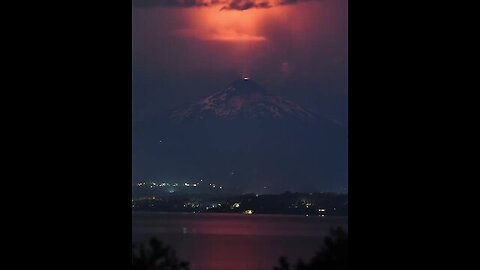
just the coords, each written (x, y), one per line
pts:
(230, 214)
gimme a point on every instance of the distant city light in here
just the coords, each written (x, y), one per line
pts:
(191, 183)
(229, 204)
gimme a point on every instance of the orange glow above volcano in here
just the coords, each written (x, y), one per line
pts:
(213, 24)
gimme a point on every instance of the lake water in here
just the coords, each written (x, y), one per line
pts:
(235, 241)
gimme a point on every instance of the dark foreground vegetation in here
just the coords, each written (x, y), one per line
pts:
(156, 257)
(333, 256)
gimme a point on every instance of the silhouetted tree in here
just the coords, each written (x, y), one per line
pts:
(157, 257)
(333, 256)
(284, 265)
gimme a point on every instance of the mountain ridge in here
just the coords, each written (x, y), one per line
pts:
(242, 99)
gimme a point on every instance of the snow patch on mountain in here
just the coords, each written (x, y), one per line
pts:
(242, 99)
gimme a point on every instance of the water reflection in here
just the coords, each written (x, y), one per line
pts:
(235, 242)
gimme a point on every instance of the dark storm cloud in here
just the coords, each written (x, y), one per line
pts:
(226, 4)
(245, 4)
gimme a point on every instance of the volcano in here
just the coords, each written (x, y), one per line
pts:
(247, 140)
(242, 99)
